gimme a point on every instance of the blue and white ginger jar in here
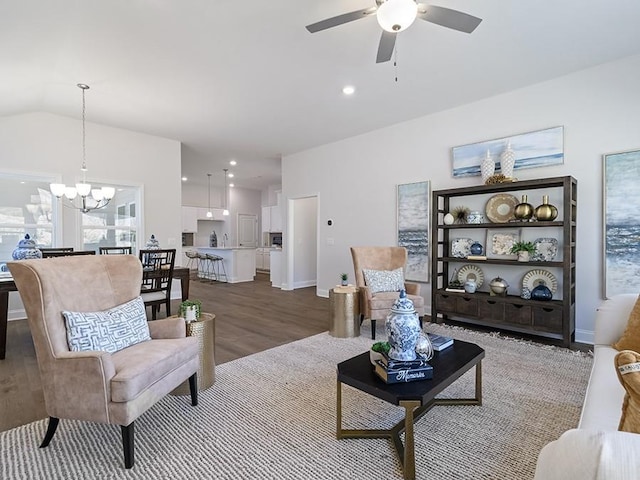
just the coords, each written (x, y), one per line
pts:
(26, 249)
(403, 329)
(153, 243)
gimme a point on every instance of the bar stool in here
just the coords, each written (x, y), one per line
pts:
(194, 259)
(216, 261)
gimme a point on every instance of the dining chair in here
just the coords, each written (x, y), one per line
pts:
(379, 277)
(99, 359)
(115, 250)
(52, 251)
(157, 275)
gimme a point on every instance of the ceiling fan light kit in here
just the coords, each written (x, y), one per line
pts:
(394, 16)
(397, 15)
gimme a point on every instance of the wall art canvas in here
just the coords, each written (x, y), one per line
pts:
(621, 223)
(534, 149)
(413, 228)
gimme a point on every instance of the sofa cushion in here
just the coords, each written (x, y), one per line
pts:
(142, 365)
(630, 339)
(109, 330)
(384, 280)
(627, 365)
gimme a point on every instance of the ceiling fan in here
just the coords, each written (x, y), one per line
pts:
(395, 16)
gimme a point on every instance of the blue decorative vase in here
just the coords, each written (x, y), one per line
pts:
(476, 248)
(26, 249)
(153, 244)
(541, 292)
(403, 329)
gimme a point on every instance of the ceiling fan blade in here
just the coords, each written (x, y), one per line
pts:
(340, 19)
(387, 44)
(446, 17)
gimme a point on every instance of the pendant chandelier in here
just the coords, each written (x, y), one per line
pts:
(226, 194)
(90, 199)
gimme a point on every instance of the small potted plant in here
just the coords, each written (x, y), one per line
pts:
(378, 349)
(190, 310)
(344, 279)
(523, 249)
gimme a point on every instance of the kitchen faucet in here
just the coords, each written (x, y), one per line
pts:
(224, 240)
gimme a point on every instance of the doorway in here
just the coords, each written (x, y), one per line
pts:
(247, 230)
(302, 253)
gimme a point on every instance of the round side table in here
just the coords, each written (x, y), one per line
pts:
(204, 329)
(344, 312)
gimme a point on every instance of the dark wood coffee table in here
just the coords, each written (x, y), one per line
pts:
(417, 398)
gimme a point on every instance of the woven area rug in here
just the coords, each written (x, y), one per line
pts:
(272, 416)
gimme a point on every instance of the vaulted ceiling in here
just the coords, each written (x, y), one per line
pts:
(245, 80)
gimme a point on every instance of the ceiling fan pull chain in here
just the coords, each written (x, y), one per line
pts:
(395, 61)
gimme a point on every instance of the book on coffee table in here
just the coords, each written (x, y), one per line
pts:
(440, 342)
(393, 364)
(424, 372)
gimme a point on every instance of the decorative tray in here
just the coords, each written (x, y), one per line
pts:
(471, 272)
(500, 207)
(461, 247)
(533, 278)
(546, 249)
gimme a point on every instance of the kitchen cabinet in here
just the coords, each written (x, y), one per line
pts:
(554, 319)
(189, 219)
(215, 212)
(263, 259)
(266, 219)
(276, 219)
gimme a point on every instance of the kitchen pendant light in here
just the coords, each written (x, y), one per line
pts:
(209, 214)
(226, 195)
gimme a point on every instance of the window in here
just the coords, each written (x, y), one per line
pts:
(115, 225)
(26, 206)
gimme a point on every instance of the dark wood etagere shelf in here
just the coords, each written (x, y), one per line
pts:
(553, 319)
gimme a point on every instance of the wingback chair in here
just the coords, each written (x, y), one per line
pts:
(97, 386)
(376, 305)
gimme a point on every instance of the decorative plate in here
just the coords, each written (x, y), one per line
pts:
(533, 278)
(461, 247)
(471, 272)
(546, 249)
(500, 207)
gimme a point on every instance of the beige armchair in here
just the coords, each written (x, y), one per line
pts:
(376, 306)
(98, 386)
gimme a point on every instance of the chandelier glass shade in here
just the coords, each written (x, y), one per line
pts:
(397, 15)
(209, 213)
(90, 198)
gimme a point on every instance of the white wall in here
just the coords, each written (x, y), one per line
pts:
(356, 177)
(43, 143)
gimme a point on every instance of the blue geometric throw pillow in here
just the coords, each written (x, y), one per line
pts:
(110, 330)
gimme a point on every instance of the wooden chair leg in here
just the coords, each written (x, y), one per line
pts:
(373, 329)
(153, 312)
(127, 444)
(193, 389)
(51, 431)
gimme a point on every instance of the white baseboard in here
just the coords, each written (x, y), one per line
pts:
(305, 284)
(322, 293)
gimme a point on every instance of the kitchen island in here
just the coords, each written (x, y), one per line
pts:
(239, 264)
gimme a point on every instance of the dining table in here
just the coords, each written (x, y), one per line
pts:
(8, 285)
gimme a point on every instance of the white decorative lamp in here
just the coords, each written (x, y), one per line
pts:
(397, 15)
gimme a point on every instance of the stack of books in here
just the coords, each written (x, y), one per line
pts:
(400, 371)
(440, 342)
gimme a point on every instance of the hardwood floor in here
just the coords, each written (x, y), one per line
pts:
(250, 317)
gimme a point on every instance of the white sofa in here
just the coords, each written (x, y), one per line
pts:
(596, 450)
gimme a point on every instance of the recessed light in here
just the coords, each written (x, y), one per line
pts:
(231, 185)
(184, 179)
(230, 175)
(349, 90)
(233, 162)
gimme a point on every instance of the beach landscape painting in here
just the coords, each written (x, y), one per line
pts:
(541, 148)
(621, 223)
(413, 228)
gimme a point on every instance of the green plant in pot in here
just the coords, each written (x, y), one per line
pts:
(524, 250)
(344, 279)
(188, 305)
(377, 350)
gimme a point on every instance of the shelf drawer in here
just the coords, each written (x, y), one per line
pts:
(467, 306)
(446, 303)
(548, 319)
(517, 314)
(491, 310)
